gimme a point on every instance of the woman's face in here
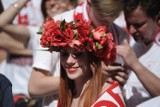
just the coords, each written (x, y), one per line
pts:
(54, 7)
(75, 63)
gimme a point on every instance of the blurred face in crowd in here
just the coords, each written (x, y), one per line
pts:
(141, 27)
(54, 7)
(75, 63)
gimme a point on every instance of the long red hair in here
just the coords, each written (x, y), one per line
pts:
(90, 93)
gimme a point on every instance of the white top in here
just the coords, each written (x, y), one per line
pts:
(153, 102)
(134, 91)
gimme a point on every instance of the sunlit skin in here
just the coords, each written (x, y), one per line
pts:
(141, 27)
(75, 63)
(55, 7)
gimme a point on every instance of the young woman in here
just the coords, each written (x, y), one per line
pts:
(81, 51)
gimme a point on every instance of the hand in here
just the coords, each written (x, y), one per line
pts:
(121, 77)
(127, 53)
(117, 72)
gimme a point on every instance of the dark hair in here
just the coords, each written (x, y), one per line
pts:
(150, 7)
(43, 9)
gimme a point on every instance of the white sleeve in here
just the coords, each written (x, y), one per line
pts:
(45, 60)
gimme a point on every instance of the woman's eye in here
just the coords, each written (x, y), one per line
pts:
(64, 54)
(78, 54)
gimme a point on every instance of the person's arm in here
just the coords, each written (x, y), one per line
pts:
(41, 83)
(13, 46)
(147, 78)
(9, 43)
(18, 32)
(9, 14)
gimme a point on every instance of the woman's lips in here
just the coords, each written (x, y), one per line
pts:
(71, 70)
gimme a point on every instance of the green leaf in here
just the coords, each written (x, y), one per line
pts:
(99, 46)
(72, 22)
(104, 34)
(54, 47)
(40, 32)
(75, 33)
(91, 35)
(62, 25)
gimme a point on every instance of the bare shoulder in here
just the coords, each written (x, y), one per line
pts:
(105, 86)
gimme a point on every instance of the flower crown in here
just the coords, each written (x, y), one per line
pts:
(79, 35)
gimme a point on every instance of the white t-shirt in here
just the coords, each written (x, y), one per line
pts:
(135, 93)
(153, 102)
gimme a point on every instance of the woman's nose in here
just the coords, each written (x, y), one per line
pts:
(71, 60)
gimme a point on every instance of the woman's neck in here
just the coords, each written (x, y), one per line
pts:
(80, 85)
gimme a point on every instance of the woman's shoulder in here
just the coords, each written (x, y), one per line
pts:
(105, 86)
(114, 85)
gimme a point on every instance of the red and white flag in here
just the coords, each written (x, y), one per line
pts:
(112, 97)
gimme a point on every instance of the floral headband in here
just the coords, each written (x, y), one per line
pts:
(79, 35)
